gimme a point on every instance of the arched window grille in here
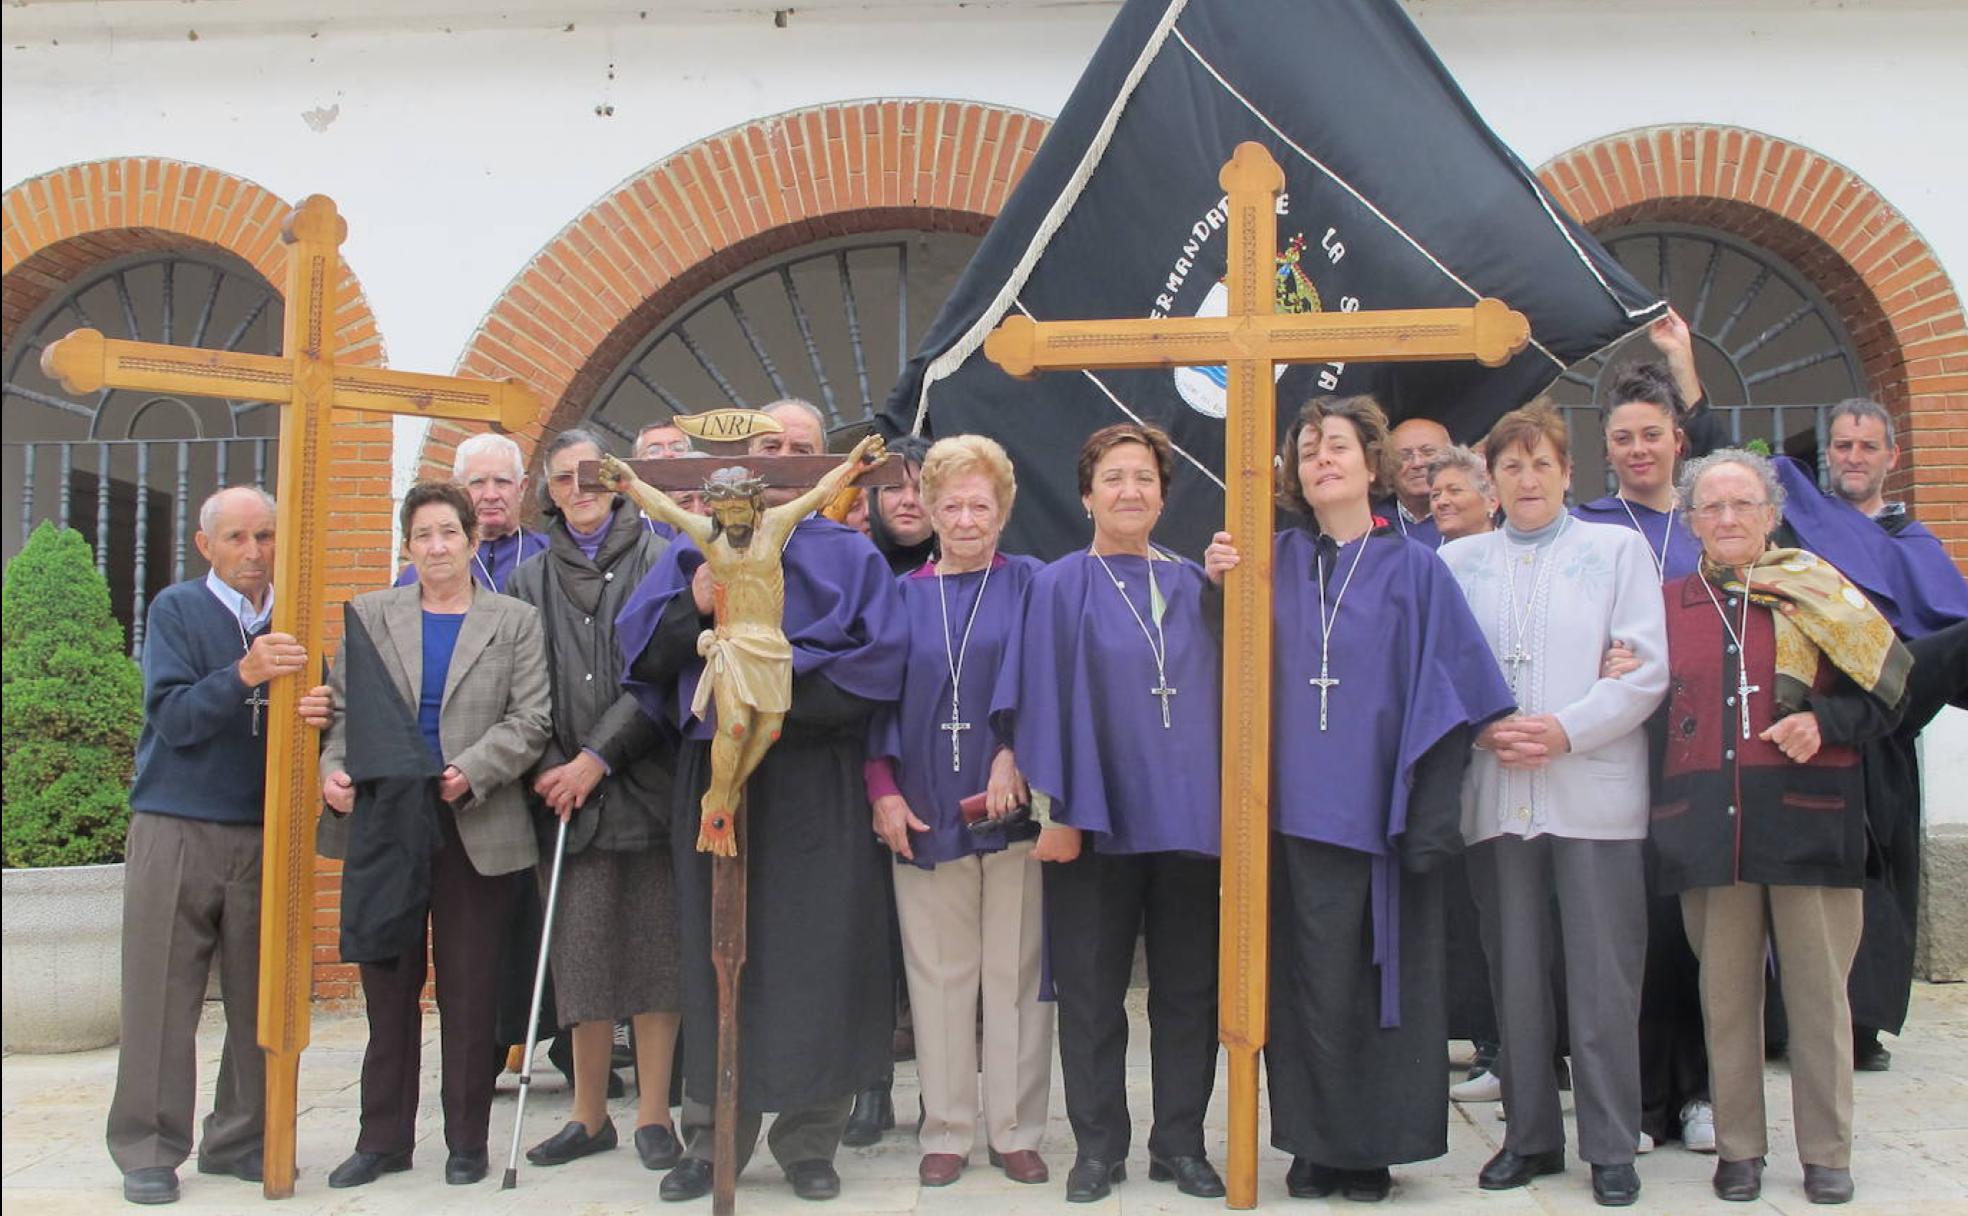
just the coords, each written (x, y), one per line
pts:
(1771, 351)
(128, 470)
(831, 322)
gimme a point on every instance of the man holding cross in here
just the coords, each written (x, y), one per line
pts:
(814, 1010)
(192, 887)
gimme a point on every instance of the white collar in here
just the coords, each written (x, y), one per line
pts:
(237, 604)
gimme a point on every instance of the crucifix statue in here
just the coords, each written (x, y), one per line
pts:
(748, 664)
(304, 379)
(1252, 339)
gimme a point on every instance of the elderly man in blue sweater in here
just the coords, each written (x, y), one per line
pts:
(192, 879)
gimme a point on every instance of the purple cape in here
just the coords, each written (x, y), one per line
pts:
(910, 731)
(1088, 732)
(493, 567)
(1910, 578)
(1425, 529)
(1412, 666)
(843, 618)
(1683, 550)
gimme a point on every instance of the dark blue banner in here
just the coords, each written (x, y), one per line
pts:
(1397, 196)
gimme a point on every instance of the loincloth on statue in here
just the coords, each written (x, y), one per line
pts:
(755, 665)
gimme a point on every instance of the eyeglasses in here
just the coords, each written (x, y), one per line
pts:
(561, 481)
(1738, 507)
(655, 451)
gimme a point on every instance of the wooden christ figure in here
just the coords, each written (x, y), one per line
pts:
(748, 661)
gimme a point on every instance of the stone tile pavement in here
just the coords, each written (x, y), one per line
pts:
(1912, 1153)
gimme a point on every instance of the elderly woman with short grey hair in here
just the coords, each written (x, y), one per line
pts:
(606, 772)
(1461, 498)
(1780, 669)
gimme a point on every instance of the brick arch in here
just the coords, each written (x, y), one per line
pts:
(64, 222)
(61, 224)
(1886, 283)
(613, 274)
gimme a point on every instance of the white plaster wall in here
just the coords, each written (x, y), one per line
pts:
(457, 155)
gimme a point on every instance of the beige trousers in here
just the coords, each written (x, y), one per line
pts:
(1816, 932)
(972, 929)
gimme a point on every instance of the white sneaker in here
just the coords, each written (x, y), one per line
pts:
(1698, 1127)
(1646, 1144)
(1487, 1087)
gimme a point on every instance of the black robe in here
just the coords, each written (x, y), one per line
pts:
(816, 1002)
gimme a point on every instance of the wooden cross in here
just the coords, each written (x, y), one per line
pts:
(1251, 340)
(305, 379)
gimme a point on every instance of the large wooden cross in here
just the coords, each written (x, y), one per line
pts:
(1252, 339)
(305, 379)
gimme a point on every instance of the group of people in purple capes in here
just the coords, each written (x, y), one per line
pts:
(1623, 793)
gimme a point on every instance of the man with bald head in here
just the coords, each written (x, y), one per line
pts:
(1411, 447)
(192, 872)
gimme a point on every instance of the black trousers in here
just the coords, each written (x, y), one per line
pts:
(468, 920)
(1095, 907)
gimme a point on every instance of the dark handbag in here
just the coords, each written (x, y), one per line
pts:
(979, 821)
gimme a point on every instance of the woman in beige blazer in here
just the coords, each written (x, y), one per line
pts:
(474, 664)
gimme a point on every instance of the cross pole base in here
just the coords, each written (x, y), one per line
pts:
(728, 911)
(283, 1093)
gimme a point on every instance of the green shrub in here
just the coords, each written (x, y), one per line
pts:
(72, 708)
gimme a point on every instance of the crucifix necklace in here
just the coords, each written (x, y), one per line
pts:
(258, 700)
(956, 726)
(1157, 641)
(1324, 681)
(1667, 538)
(1519, 656)
(1736, 636)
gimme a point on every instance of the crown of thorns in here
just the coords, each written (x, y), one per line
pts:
(734, 482)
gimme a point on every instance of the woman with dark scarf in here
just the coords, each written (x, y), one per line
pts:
(606, 771)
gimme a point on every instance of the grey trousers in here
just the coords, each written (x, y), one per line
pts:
(812, 1134)
(191, 889)
(1602, 919)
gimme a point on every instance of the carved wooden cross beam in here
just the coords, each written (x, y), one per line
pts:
(1251, 340)
(305, 379)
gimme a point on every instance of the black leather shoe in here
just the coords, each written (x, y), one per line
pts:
(249, 1166)
(1191, 1175)
(657, 1146)
(572, 1142)
(1871, 1056)
(814, 1179)
(1827, 1184)
(1615, 1186)
(1307, 1179)
(691, 1179)
(1739, 1181)
(1507, 1170)
(362, 1168)
(1366, 1186)
(463, 1169)
(1091, 1179)
(873, 1114)
(152, 1184)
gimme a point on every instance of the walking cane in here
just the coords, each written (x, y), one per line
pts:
(533, 1019)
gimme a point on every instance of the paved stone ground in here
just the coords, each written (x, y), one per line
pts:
(1912, 1153)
